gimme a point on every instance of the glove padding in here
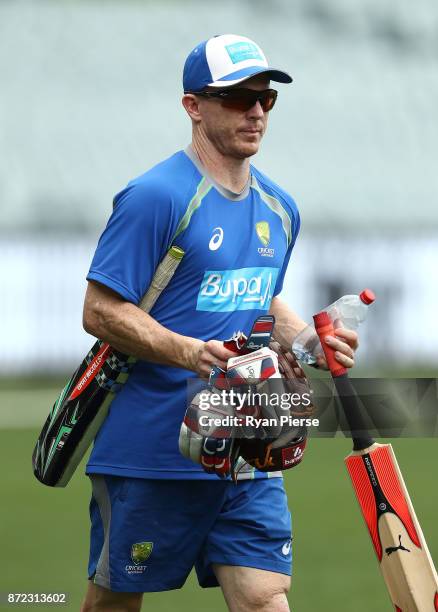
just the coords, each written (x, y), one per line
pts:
(276, 447)
(274, 456)
(215, 455)
(286, 450)
(294, 379)
(212, 447)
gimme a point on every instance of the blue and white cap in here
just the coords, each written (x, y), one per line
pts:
(226, 60)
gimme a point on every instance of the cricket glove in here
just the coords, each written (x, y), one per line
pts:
(264, 370)
(215, 448)
(286, 449)
(211, 446)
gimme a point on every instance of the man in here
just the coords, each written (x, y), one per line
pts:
(155, 514)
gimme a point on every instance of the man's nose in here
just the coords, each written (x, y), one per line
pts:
(256, 110)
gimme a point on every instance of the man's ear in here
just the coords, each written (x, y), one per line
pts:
(191, 105)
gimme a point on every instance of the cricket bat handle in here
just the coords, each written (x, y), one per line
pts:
(346, 392)
(162, 277)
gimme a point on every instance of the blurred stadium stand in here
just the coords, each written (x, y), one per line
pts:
(90, 98)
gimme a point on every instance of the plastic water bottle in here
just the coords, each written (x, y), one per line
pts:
(349, 310)
(305, 345)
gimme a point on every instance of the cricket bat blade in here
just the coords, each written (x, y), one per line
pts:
(398, 540)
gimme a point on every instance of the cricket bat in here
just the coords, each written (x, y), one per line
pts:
(398, 540)
(83, 404)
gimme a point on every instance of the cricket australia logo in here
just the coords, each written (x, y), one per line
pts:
(264, 234)
(140, 552)
(243, 289)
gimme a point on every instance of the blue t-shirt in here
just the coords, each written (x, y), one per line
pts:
(237, 247)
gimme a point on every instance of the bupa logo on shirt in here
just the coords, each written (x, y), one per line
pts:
(243, 289)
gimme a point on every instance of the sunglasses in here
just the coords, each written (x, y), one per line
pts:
(242, 99)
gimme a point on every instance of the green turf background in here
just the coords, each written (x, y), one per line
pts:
(44, 531)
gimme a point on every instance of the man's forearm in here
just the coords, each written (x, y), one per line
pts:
(287, 323)
(130, 330)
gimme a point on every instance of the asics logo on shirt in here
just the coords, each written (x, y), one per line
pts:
(243, 289)
(216, 239)
(286, 548)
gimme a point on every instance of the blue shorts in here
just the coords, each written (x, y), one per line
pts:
(147, 535)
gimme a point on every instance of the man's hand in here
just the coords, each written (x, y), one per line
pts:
(205, 355)
(345, 343)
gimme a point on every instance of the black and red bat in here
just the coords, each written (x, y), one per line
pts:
(83, 404)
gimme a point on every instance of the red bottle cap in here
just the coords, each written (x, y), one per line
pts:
(367, 296)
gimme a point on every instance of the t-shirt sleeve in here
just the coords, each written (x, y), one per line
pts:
(135, 240)
(295, 228)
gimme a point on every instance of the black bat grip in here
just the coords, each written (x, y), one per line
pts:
(353, 413)
(346, 392)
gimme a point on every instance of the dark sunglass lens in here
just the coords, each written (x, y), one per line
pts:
(244, 99)
(239, 100)
(267, 100)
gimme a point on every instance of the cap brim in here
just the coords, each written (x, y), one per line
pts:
(247, 73)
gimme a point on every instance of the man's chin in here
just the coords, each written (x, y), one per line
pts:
(247, 149)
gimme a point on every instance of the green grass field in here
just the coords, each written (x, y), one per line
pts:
(44, 531)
